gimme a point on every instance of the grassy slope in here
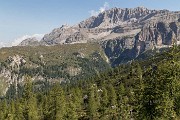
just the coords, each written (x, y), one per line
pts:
(52, 54)
(62, 56)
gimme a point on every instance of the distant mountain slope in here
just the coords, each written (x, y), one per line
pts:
(30, 42)
(109, 24)
(53, 63)
(123, 33)
(114, 37)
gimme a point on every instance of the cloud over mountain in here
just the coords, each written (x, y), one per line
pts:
(19, 40)
(101, 9)
(2, 44)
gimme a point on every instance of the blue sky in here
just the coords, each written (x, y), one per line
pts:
(29, 17)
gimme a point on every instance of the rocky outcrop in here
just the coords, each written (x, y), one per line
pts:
(58, 35)
(10, 72)
(110, 24)
(115, 47)
(152, 36)
(29, 42)
(123, 33)
(118, 16)
(158, 35)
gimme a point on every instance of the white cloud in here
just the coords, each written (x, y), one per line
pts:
(94, 13)
(19, 40)
(101, 9)
(105, 7)
(2, 44)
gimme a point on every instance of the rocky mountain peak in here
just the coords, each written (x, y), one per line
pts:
(135, 24)
(64, 26)
(29, 42)
(117, 16)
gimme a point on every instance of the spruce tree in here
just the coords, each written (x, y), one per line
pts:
(29, 101)
(57, 108)
(92, 103)
(104, 100)
(112, 105)
(19, 110)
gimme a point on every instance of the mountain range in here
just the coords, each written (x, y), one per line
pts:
(123, 64)
(126, 32)
(113, 37)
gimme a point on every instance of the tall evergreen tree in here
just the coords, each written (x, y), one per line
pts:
(112, 102)
(104, 101)
(92, 103)
(29, 101)
(57, 103)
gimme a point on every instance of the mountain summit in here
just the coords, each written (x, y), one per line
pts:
(128, 32)
(109, 24)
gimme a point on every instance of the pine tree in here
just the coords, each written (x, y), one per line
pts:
(124, 109)
(123, 104)
(11, 112)
(57, 108)
(30, 101)
(3, 110)
(112, 102)
(157, 101)
(104, 100)
(19, 110)
(71, 113)
(92, 104)
(45, 107)
(77, 99)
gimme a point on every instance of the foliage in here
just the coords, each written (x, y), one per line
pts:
(144, 90)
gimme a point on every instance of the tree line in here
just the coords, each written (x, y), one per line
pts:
(139, 91)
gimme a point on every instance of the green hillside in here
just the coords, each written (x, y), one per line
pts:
(60, 63)
(140, 90)
(59, 60)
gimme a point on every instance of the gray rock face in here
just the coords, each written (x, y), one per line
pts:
(110, 24)
(152, 36)
(60, 35)
(29, 42)
(10, 73)
(160, 34)
(118, 16)
(115, 47)
(123, 33)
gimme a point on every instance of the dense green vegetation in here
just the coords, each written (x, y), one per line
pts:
(145, 90)
(57, 62)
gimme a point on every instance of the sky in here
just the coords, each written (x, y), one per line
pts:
(20, 19)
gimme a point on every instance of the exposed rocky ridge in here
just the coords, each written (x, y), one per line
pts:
(109, 24)
(123, 33)
(29, 42)
(118, 16)
(11, 72)
(157, 35)
(152, 36)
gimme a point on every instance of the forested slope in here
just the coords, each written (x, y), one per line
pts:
(141, 90)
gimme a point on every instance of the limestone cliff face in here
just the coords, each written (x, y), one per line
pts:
(10, 72)
(158, 35)
(62, 35)
(123, 33)
(118, 16)
(116, 47)
(109, 24)
(152, 36)
(29, 42)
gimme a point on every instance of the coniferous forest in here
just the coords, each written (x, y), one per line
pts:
(89, 60)
(139, 90)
